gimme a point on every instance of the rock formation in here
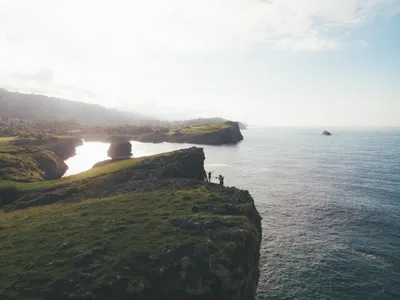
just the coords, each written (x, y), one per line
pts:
(66, 148)
(36, 159)
(120, 149)
(326, 133)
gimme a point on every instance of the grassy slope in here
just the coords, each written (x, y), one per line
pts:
(124, 240)
(200, 129)
(116, 231)
(96, 172)
(21, 162)
(5, 140)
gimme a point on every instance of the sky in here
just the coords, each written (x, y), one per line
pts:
(266, 62)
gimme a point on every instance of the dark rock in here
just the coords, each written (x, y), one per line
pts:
(82, 259)
(120, 149)
(117, 228)
(185, 224)
(64, 245)
(66, 148)
(326, 133)
(195, 209)
(212, 224)
(178, 221)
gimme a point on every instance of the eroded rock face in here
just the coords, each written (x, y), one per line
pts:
(120, 149)
(66, 148)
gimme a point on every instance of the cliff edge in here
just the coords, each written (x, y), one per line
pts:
(145, 228)
(35, 159)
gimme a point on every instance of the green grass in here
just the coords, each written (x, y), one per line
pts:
(33, 259)
(5, 140)
(60, 139)
(200, 129)
(22, 163)
(28, 161)
(108, 169)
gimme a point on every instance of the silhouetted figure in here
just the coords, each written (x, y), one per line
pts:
(221, 179)
(209, 175)
(205, 175)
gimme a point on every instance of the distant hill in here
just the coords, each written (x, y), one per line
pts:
(31, 106)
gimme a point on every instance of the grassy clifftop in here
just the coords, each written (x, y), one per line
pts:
(34, 159)
(145, 228)
(206, 134)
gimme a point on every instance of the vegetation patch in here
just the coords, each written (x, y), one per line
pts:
(200, 129)
(98, 244)
(108, 169)
(34, 159)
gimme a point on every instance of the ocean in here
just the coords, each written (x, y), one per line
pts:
(330, 206)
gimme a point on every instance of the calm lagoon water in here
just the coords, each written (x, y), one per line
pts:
(330, 206)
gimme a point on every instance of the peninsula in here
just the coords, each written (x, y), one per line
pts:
(141, 228)
(209, 134)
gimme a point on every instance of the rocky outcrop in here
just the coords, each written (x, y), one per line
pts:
(326, 133)
(36, 159)
(66, 148)
(28, 163)
(165, 233)
(120, 149)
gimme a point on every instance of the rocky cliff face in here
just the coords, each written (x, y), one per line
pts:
(27, 163)
(225, 136)
(65, 148)
(164, 234)
(36, 159)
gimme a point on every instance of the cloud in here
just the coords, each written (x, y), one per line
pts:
(115, 47)
(180, 26)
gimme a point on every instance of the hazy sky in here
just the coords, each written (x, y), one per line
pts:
(273, 62)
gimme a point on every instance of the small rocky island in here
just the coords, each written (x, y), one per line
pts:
(142, 228)
(119, 150)
(327, 133)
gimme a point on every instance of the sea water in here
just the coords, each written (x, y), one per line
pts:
(330, 206)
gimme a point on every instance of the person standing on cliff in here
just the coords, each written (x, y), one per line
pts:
(221, 179)
(209, 175)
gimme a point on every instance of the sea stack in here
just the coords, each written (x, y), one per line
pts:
(326, 133)
(120, 149)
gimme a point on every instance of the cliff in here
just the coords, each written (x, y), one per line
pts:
(209, 134)
(145, 228)
(212, 134)
(35, 159)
